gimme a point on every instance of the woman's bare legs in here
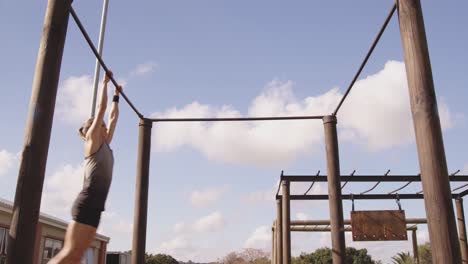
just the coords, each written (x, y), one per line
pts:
(78, 238)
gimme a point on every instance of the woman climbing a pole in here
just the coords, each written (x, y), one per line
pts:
(99, 161)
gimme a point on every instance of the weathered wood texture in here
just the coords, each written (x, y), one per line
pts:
(432, 161)
(286, 223)
(378, 225)
(415, 247)
(462, 229)
(141, 192)
(22, 235)
(334, 191)
(279, 233)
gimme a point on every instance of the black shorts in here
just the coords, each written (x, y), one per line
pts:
(90, 203)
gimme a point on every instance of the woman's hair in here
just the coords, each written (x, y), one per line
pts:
(84, 128)
(86, 125)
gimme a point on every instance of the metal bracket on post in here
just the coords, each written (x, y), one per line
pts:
(352, 202)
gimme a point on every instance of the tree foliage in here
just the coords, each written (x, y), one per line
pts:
(324, 256)
(424, 252)
(160, 259)
(248, 255)
(403, 258)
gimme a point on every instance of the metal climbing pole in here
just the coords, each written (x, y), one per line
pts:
(97, 68)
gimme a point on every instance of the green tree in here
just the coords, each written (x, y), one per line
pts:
(160, 259)
(247, 256)
(324, 256)
(403, 258)
(424, 252)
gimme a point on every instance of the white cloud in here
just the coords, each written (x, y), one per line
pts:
(206, 197)
(144, 68)
(179, 227)
(261, 143)
(377, 111)
(176, 243)
(210, 223)
(74, 99)
(180, 247)
(261, 196)
(185, 243)
(7, 161)
(375, 115)
(260, 238)
(61, 189)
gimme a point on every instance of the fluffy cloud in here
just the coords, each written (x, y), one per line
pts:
(206, 197)
(210, 223)
(144, 69)
(7, 161)
(74, 99)
(119, 228)
(185, 243)
(61, 189)
(181, 247)
(376, 115)
(260, 238)
(377, 111)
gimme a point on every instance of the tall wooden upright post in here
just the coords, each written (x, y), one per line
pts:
(334, 191)
(286, 230)
(273, 243)
(28, 194)
(415, 246)
(279, 233)
(141, 192)
(431, 153)
(462, 229)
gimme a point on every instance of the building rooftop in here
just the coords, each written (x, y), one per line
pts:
(7, 206)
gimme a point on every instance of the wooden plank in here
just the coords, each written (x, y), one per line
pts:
(388, 225)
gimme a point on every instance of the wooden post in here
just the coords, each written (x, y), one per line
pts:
(22, 235)
(286, 223)
(273, 245)
(415, 246)
(334, 191)
(462, 229)
(279, 233)
(141, 192)
(431, 153)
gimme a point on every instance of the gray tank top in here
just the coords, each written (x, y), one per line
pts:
(98, 168)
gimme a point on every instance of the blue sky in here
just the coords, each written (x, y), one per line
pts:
(211, 185)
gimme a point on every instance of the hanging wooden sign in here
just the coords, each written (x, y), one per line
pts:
(378, 225)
